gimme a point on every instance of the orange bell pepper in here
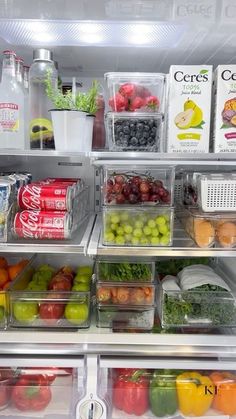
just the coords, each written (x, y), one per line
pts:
(225, 397)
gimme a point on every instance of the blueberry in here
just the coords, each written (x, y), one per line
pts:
(154, 130)
(121, 135)
(132, 133)
(150, 123)
(140, 126)
(126, 130)
(146, 128)
(153, 135)
(146, 135)
(131, 125)
(151, 141)
(142, 141)
(134, 141)
(118, 129)
(126, 137)
(139, 135)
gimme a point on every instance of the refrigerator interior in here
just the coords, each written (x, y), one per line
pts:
(88, 39)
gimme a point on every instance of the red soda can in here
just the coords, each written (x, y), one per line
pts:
(42, 224)
(45, 197)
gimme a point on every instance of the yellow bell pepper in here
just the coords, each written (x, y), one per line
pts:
(193, 393)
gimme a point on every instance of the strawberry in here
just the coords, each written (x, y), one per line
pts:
(136, 103)
(119, 103)
(127, 90)
(142, 91)
(152, 102)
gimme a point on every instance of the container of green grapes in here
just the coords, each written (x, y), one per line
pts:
(140, 226)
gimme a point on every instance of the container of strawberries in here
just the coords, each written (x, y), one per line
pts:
(135, 92)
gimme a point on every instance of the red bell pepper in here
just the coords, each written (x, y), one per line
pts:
(31, 392)
(130, 393)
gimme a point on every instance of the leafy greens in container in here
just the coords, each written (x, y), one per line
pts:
(197, 296)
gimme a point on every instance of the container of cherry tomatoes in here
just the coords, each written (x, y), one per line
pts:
(137, 186)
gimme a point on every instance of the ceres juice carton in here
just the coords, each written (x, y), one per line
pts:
(189, 113)
(225, 109)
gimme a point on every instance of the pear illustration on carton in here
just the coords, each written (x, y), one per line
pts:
(191, 117)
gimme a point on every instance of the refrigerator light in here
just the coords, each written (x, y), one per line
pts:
(101, 33)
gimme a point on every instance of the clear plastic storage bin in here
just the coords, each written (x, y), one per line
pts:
(134, 132)
(198, 308)
(125, 318)
(143, 226)
(125, 271)
(136, 91)
(115, 294)
(208, 229)
(52, 225)
(49, 308)
(149, 186)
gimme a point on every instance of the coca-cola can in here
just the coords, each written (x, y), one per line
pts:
(79, 184)
(55, 225)
(59, 183)
(45, 197)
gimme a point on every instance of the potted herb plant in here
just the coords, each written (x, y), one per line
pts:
(72, 117)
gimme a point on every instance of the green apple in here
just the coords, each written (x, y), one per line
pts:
(25, 311)
(82, 279)
(76, 314)
(80, 287)
(85, 270)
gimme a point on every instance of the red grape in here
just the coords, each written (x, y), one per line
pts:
(155, 189)
(144, 197)
(133, 199)
(117, 188)
(158, 183)
(154, 198)
(108, 188)
(144, 187)
(119, 179)
(136, 180)
(126, 190)
(166, 199)
(110, 182)
(134, 189)
(120, 199)
(161, 191)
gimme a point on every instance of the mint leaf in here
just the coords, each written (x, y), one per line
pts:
(204, 71)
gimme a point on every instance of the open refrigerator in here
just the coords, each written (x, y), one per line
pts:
(87, 364)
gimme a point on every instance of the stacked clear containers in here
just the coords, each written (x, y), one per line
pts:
(125, 294)
(209, 216)
(137, 208)
(136, 103)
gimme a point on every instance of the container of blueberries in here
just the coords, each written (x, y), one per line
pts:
(134, 132)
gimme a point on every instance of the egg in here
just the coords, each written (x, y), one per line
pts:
(226, 234)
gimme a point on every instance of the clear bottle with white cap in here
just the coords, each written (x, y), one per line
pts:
(40, 125)
(26, 103)
(11, 105)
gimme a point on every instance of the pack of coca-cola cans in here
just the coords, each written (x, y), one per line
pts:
(46, 208)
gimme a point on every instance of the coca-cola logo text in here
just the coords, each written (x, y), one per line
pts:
(29, 223)
(30, 197)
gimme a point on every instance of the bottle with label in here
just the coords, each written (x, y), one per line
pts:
(40, 126)
(11, 105)
(26, 96)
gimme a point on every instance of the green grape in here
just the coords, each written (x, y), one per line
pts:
(115, 219)
(113, 227)
(163, 229)
(120, 240)
(147, 231)
(128, 238)
(160, 220)
(139, 224)
(137, 232)
(151, 223)
(155, 241)
(128, 228)
(135, 241)
(109, 237)
(167, 217)
(155, 232)
(165, 240)
(144, 241)
(120, 231)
